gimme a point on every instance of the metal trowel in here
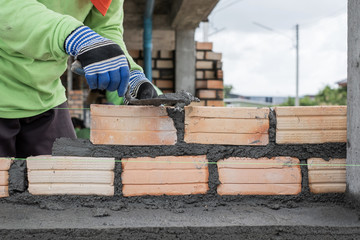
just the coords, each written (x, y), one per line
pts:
(179, 99)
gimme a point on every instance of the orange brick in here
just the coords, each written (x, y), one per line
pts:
(166, 54)
(155, 73)
(215, 84)
(56, 175)
(201, 84)
(167, 91)
(158, 190)
(204, 45)
(215, 103)
(155, 54)
(5, 164)
(164, 64)
(220, 94)
(4, 191)
(206, 94)
(219, 74)
(134, 53)
(226, 126)
(199, 74)
(165, 83)
(167, 175)
(213, 56)
(4, 178)
(247, 176)
(200, 55)
(204, 65)
(209, 74)
(201, 104)
(131, 125)
(327, 176)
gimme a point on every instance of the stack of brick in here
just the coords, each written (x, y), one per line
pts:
(209, 75)
(76, 103)
(163, 71)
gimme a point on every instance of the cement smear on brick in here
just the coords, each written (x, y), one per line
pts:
(214, 153)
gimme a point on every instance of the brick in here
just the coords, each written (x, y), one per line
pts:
(158, 190)
(220, 94)
(155, 73)
(199, 74)
(134, 53)
(165, 84)
(5, 164)
(311, 111)
(219, 64)
(198, 104)
(164, 64)
(215, 84)
(235, 112)
(73, 189)
(167, 91)
(4, 191)
(48, 175)
(167, 175)
(207, 94)
(155, 54)
(247, 176)
(215, 103)
(318, 124)
(210, 75)
(45, 162)
(226, 126)
(327, 176)
(140, 63)
(201, 84)
(164, 163)
(219, 74)
(200, 55)
(204, 65)
(212, 56)
(131, 125)
(204, 46)
(4, 178)
(167, 74)
(166, 54)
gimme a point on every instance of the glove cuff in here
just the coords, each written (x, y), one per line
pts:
(136, 79)
(81, 37)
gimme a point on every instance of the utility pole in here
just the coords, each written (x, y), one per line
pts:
(297, 66)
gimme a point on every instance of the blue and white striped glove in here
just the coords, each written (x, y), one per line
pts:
(140, 86)
(103, 61)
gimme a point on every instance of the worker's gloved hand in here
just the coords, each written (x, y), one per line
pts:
(140, 86)
(103, 61)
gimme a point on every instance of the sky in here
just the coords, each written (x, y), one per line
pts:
(261, 60)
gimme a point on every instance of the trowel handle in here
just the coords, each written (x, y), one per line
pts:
(77, 68)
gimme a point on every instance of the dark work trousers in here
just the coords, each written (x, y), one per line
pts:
(32, 136)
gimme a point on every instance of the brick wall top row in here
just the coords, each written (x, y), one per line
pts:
(144, 125)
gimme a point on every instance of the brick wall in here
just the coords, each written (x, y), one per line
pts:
(163, 71)
(76, 100)
(209, 74)
(241, 156)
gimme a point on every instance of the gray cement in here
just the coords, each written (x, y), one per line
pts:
(353, 130)
(232, 221)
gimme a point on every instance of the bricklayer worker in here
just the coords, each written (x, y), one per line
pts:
(36, 39)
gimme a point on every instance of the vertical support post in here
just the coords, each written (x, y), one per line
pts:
(185, 61)
(353, 101)
(69, 75)
(297, 102)
(147, 39)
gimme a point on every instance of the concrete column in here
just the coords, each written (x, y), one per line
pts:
(185, 61)
(353, 110)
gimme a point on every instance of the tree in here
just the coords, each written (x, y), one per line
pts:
(326, 96)
(227, 90)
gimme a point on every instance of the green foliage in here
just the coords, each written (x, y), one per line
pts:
(327, 96)
(227, 90)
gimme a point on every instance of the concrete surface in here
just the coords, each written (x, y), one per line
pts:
(353, 99)
(229, 221)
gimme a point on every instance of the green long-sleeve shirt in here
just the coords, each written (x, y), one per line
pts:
(32, 55)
